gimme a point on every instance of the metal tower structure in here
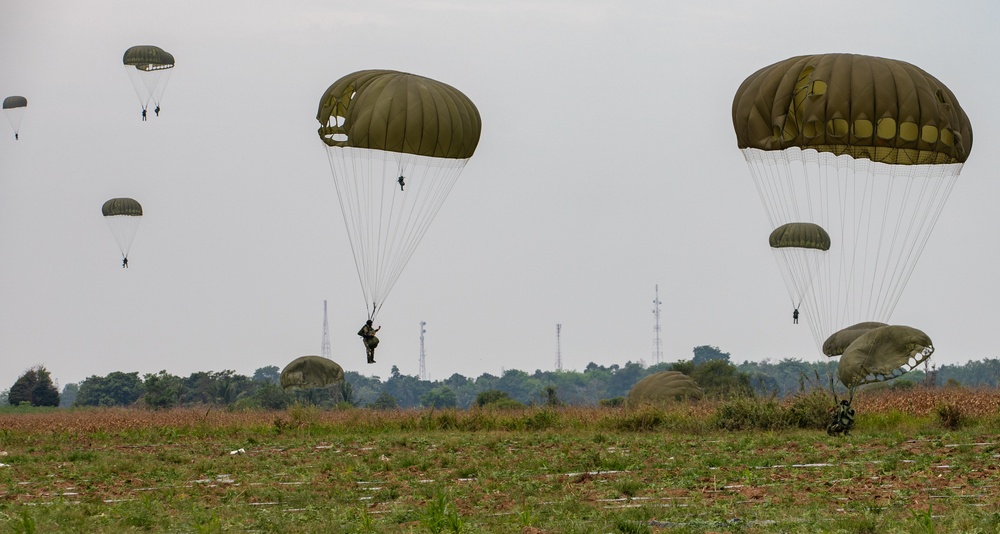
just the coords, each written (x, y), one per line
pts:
(423, 355)
(558, 348)
(324, 350)
(657, 340)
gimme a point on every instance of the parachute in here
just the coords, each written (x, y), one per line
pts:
(799, 248)
(14, 107)
(882, 354)
(123, 216)
(311, 372)
(149, 69)
(865, 147)
(663, 387)
(396, 143)
(837, 343)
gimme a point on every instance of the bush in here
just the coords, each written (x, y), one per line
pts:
(811, 410)
(747, 413)
(950, 415)
(613, 402)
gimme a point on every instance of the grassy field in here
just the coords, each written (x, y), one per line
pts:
(918, 461)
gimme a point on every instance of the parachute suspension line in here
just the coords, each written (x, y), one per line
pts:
(384, 221)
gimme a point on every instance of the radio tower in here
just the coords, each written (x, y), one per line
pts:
(423, 356)
(558, 348)
(657, 341)
(324, 350)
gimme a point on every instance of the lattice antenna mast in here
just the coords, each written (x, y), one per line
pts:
(324, 350)
(558, 348)
(657, 340)
(423, 355)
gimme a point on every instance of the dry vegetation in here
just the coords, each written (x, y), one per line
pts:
(538, 470)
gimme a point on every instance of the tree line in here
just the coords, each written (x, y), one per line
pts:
(711, 368)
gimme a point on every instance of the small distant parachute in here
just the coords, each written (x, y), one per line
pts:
(396, 143)
(149, 69)
(837, 343)
(882, 354)
(663, 387)
(799, 248)
(311, 372)
(123, 216)
(14, 107)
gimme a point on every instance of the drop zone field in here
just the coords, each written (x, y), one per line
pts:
(917, 461)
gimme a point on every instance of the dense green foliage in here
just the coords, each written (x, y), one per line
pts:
(34, 388)
(596, 385)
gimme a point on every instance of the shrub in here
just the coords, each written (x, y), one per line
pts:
(747, 413)
(950, 415)
(811, 410)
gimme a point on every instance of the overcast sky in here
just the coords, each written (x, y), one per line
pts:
(607, 165)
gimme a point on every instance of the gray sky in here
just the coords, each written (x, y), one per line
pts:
(607, 165)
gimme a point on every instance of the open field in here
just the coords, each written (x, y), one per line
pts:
(531, 471)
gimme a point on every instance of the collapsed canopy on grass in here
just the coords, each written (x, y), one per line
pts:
(663, 387)
(837, 343)
(882, 354)
(311, 372)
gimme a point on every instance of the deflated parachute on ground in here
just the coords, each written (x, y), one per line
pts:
(882, 354)
(311, 372)
(14, 107)
(396, 143)
(663, 387)
(868, 148)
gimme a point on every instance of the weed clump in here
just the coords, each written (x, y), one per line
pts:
(950, 416)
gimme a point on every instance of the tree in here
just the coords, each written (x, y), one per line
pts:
(4, 395)
(68, 396)
(719, 378)
(163, 390)
(439, 397)
(116, 389)
(270, 374)
(385, 401)
(34, 388)
(706, 353)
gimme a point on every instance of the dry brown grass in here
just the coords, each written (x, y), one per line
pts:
(973, 402)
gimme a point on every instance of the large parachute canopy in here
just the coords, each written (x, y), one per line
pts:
(149, 69)
(123, 216)
(799, 248)
(14, 107)
(396, 143)
(664, 387)
(311, 372)
(869, 149)
(837, 343)
(882, 354)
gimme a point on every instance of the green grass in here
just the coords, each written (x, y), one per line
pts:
(526, 470)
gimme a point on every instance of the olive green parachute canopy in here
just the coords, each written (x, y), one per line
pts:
(882, 354)
(121, 206)
(12, 102)
(311, 372)
(800, 235)
(867, 107)
(148, 58)
(399, 112)
(837, 343)
(663, 387)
